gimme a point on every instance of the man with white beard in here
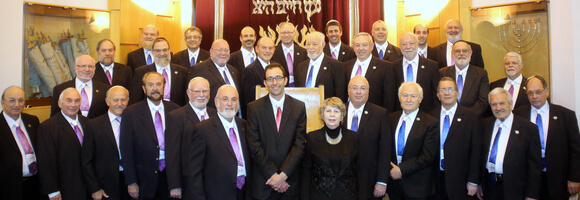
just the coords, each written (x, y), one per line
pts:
(515, 82)
(175, 75)
(144, 55)
(454, 30)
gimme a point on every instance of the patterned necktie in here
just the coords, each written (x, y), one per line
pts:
(160, 137)
(444, 133)
(26, 147)
(278, 118)
(381, 54)
(354, 123)
(290, 69)
(226, 79)
(309, 80)
(410, 73)
(511, 90)
(84, 99)
(401, 139)
(108, 73)
(459, 87)
(149, 59)
(334, 56)
(192, 61)
(359, 71)
(235, 146)
(542, 138)
(79, 134)
(167, 89)
(202, 114)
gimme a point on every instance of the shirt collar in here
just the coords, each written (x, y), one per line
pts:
(105, 67)
(544, 109)
(516, 81)
(246, 52)
(507, 122)
(414, 62)
(334, 48)
(383, 46)
(154, 107)
(318, 60)
(366, 61)
(73, 122)
(288, 49)
(277, 103)
(462, 72)
(264, 64)
(351, 108)
(112, 116)
(161, 68)
(196, 110)
(11, 122)
(411, 116)
(227, 124)
(221, 68)
(193, 53)
(82, 84)
(451, 111)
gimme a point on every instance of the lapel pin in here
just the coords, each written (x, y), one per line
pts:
(555, 117)
(374, 67)
(524, 87)
(517, 132)
(343, 53)
(176, 72)
(388, 51)
(29, 126)
(418, 119)
(97, 91)
(297, 53)
(366, 112)
(422, 66)
(324, 68)
(458, 119)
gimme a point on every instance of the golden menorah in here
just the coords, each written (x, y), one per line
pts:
(519, 38)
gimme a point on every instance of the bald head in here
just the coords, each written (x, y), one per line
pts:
(248, 38)
(265, 49)
(13, 101)
(453, 30)
(409, 45)
(358, 91)
(150, 33)
(117, 99)
(69, 102)
(85, 68)
(220, 52)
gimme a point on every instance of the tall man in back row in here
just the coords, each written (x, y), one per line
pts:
(288, 53)
(144, 55)
(277, 138)
(336, 48)
(246, 55)
(383, 49)
(193, 54)
(454, 30)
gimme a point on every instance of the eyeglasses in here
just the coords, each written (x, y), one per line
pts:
(226, 99)
(443, 90)
(277, 78)
(537, 92)
(286, 33)
(461, 50)
(160, 50)
(221, 50)
(199, 91)
(12, 101)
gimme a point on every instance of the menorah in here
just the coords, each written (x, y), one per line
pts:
(521, 37)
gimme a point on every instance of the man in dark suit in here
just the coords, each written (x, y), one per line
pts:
(321, 69)
(379, 73)
(17, 144)
(175, 75)
(374, 128)
(335, 48)
(246, 55)
(92, 92)
(453, 30)
(276, 138)
(59, 150)
(472, 82)
(193, 54)
(254, 73)
(515, 82)
(460, 143)
(288, 53)
(511, 157)
(144, 55)
(100, 153)
(383, 49)
(424, 50)
(560, 141)
(216, 70)
(416, 140)
(108, 71)
(143, 142)
(221, 155)
(414, 68)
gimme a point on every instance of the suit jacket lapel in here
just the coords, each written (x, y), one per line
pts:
(242, 135)
(223, 135)
(365, 115)
(7, 132)
(66, 127)
(286, 112)
(455, 122)
(371, 68)
(213, 69)
(414, 131)
(420, 69)
(554, 117)
(322, 70)
(469, 81)
(191, 115)
(147, 121)
(269, 112)
(515, 132)
(109, 134)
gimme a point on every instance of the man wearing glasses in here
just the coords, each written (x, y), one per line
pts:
(175, 75)
(288, 53)
(276, 139)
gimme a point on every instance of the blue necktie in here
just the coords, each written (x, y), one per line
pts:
(309, 80)
(226, 78)
(410, 73)
(381, 54)
(459, 86)
(493, 154)
(251, 58)
(354, 123)
(541, 131)
(149, 60)
(444, 133)
(192, 61)
(401, 139)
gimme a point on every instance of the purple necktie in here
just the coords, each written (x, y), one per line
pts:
(160, 137)
(202, 117)
(84, 100)
(334, 55)
(511, 90)
(109, 77)
(26, 147)
(422, 55)
(359, 71)
(118, 119)
(79, 134)
(234, 142)
(167, 89)
(290, 69)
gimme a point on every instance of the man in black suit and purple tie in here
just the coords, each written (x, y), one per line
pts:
(246, 55)
(60, 139)
(100, 154)
(383, 49)
(144, 55)
(288, 53)
(107, 70)
(148, 172)
(18, 133)
(515, 82)
(220, 163)
(444, 56)
(560, 141)
(424, 50)
(254, 73)
(193, 54)
(336, 48)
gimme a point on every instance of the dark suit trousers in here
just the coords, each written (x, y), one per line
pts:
(493, 191)
(123, 192)
(545, 194)
(397, 192)
(162, 191)
(440, 188)
(31, 189)
(277, 196)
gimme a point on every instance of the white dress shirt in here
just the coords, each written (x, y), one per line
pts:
(364, 66)
(444, 112)
(422, 51)
(382, 47)
(544, 111)
(517, 83)
(351, 112)
(506, 128)
(448, 53)
(108, 68)
(200, 112)
(334, 49)
(409, 120)
(193, 54)
(227, 125)
(79, 85)
(277, 104)
(247, 55)
(316, 64)
(26, 159)
(414, 65)
(153, 110)
(115, 125)
(463, 73)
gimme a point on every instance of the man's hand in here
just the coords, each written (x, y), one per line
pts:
(175, 193)
(282, 188)
(528, 198)
(57, 197)
(133, 190)
(471, 189)
(380, 190)
(479, 193)
(98, 195)
(573, 188)
(396, 172)
(277, 181)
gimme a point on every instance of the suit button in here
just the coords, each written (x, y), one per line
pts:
(156, 158)
(156, 171)
(158, 146)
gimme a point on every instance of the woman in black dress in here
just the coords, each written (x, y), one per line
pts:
(329, 160)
